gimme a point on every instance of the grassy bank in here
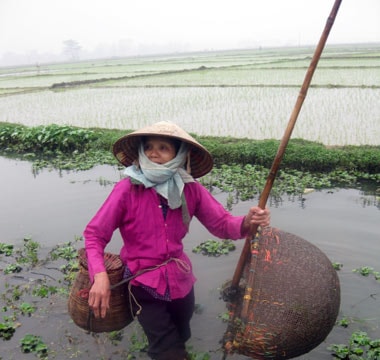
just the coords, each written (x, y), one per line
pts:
(240, 164)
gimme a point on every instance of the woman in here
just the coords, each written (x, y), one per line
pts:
(152, 208)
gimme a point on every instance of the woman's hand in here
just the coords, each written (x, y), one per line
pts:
(256, 216)
(99, 296)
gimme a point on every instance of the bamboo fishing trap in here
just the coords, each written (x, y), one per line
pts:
(284, 297)
(289, 306)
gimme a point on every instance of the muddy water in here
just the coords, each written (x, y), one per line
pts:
(54, 207)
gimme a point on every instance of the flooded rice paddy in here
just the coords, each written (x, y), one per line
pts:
(246, 93)
(53, 208)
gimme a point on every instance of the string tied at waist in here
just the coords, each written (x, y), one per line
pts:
(181, 264)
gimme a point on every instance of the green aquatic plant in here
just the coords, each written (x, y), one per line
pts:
(364, 270)
(138, 343)
(225, 317)
(337, 266)
(344, 322)
(65, 251)
(12, 268)
(34, 344)
(46, 138)
(194, 355)
(12, 293)
(27, 309)
(44, 290)
(6, 249)
(214, 247)
(360, 347)
(65, 147)
(367, 271)
(7, 329)
(29, 253)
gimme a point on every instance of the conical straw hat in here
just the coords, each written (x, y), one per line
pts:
(126, 148)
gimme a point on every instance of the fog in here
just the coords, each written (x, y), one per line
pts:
(35, 31)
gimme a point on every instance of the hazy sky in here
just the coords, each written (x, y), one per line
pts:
(35, 29)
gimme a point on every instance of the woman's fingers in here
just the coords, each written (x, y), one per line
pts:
(99, 296)
(104, 305)
(99, 304)
(260, 216)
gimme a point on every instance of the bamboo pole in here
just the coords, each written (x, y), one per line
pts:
(284, 142)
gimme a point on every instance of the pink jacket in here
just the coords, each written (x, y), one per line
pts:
(149, 239)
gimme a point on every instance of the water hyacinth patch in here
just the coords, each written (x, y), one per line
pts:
(34, 344)
(6, 249)
(214, 247)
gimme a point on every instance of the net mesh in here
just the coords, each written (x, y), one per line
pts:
(287, 301)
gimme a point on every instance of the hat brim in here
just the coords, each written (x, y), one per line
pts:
(125, 149)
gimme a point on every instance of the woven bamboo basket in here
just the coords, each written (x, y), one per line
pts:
(119, 314)
(292, 303)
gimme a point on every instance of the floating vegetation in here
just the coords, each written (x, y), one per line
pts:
(367, 271)
(240, 164)
(214, 247)
(360, 347)
(34, 344)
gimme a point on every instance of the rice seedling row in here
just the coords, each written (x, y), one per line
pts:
(247, 93)
(331, 116)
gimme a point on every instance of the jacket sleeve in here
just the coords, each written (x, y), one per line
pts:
(99, 230)
(215, 217)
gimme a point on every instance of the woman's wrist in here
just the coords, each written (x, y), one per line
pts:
(101, 275)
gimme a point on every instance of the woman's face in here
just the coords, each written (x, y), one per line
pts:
(159, 150)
